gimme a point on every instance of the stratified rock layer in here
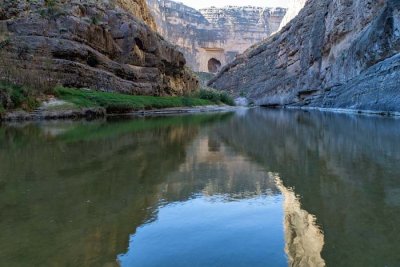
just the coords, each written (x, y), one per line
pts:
(334, 54)
(214, 33)
(104, 45)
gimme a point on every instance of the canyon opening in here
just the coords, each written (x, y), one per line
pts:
(214, 65)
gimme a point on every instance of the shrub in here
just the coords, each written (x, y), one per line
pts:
(95, 20)
(19, 97)
(227, 99)
(209, 95)
(4, 43)
(50, 3)
(216, 97)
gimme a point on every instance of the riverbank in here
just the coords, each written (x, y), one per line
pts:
(98, 112)
(344, 111)
(72, 103)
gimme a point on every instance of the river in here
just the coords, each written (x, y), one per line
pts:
(251, 188)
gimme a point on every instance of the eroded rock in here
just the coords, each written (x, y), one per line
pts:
(107, 45)
(334, 54)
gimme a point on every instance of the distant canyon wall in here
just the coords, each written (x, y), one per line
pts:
(334, 54)
(210, 38)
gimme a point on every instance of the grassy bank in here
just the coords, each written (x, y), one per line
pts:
(15, 97)
(115, 102)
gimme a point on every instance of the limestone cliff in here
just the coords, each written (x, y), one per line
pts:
(108, 45)
(294, 8)
(334, 54)
(212, 37)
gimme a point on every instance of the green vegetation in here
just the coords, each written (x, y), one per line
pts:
(22, 97)
(216, 96)
(115, 102)
(95, 20)
(4, 42)
(100, 130)
(50, 3)
(15, 97)
(211, 94)
(52, 9)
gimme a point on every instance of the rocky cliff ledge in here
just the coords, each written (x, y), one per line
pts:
(108, 45)
(212, 37)
(334, 54)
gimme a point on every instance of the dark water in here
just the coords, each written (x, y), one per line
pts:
(256, 188)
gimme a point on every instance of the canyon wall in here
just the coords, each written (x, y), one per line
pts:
(334, 54)
(108, 45)
(210, 38)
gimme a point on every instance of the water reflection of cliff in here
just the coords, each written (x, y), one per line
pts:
(211, 168)
(71, 194)
(345, 170)
(303, 238)
(73, 198)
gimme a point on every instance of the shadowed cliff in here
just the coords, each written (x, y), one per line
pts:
(334, 54)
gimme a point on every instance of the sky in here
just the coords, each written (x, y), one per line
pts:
(220, 3)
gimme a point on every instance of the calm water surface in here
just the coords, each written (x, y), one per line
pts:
(255, 188)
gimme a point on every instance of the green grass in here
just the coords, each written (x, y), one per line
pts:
(116, 102)
(22, 97)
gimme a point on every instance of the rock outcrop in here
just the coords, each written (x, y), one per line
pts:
(334, 54)
(212, 37)
(108, 45)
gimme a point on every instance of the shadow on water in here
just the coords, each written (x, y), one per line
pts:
(289, 187)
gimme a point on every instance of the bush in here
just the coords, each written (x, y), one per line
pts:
(209, 95)
(50, 3)
(15, 96)
(227, 99)
(216, 97)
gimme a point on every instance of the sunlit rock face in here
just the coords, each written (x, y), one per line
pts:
(334, 54)
(108, 45)
(212, 37)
